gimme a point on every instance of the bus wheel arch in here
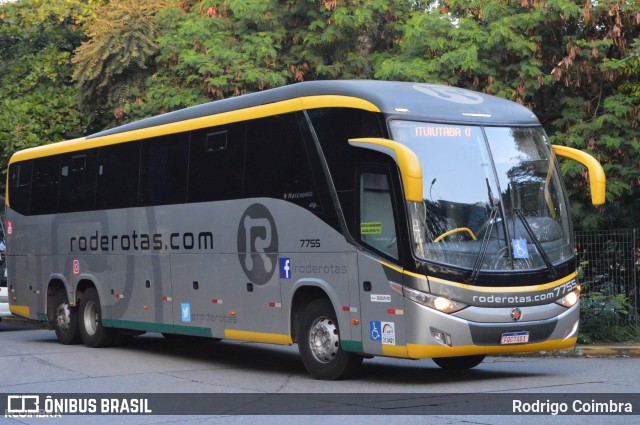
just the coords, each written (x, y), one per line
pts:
(318, 336)
(62, 316)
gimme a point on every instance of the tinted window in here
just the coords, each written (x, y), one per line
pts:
(216, 163)
(163, 170)
(44, 190)
(20, 186)
(276, 164)
(118, 176)
(334, 127)
(78, 172)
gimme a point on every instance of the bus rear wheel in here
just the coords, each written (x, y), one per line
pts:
(319, 344)
(65, 320)
(93, 333)
(459, 363)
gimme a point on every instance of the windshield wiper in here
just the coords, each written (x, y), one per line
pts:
(485, 244)
(536, 242)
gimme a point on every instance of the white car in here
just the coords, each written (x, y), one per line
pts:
(4, 293)
(4, 302)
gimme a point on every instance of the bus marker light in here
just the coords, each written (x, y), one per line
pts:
(15, 298)
(274, 304)
(216, 301)
(350, 309)
(165, 298)
(146, 307)
(72, 303)
(119, 296)
(355, 322)
(232, 313)
(396, 312)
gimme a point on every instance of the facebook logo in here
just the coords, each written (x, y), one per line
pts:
(186, 312)
(285, 268)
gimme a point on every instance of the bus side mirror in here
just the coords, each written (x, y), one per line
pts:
(407, 161)
(597, 178)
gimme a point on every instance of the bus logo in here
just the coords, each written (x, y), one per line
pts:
(185, 309)
(258, 244)
(285, 268)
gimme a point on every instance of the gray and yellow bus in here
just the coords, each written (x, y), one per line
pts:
(354, 218)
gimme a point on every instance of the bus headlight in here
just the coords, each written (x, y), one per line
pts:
(570, 299)
(435, 302)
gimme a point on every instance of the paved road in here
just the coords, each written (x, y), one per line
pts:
(33, 362)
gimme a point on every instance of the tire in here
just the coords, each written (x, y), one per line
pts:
(93, 333)
(319, 344)
(459, 363)
(65, 320)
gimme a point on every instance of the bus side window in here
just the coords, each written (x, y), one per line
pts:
(78, 172)
(163, 170)
(377, 221)
(216, 163)
(118, 168)
(277, 165)
(20, 186)
(44, 190)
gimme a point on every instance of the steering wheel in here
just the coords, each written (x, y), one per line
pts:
(456, 230)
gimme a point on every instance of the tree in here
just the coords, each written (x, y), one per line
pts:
(569, 61)
(37, 96)
(216, 49)
(112, 66)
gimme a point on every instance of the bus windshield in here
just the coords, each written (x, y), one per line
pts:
(493, 199)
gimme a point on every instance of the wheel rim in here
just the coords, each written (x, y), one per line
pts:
(63, 317)
(91, 317)
(324, 340)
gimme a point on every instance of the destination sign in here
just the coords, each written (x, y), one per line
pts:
(441, 131)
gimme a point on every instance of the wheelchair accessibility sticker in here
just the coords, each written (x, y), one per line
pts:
(383, 331)
(520, 249)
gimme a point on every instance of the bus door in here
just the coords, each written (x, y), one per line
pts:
(381, 299)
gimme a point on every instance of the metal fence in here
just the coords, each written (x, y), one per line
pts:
(609, 262)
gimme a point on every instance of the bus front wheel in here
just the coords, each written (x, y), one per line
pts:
(93, 333)
(65, 320)
(459, 363)
(319, 344)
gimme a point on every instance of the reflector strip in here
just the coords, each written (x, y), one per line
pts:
(396, 312)
(350, 309)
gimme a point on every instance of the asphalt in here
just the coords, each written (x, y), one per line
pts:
(580, 350)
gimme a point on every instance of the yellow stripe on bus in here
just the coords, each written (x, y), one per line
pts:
(249, 336)
(253, 112)
(20, 310)
(421, 351)
(492, 289)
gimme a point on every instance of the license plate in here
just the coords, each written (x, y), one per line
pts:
(514, 338)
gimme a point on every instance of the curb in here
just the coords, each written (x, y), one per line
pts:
(588, 351)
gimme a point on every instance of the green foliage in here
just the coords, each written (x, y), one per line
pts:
(576, 64)
(113, 65)
(602, 317)
(37, 97)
